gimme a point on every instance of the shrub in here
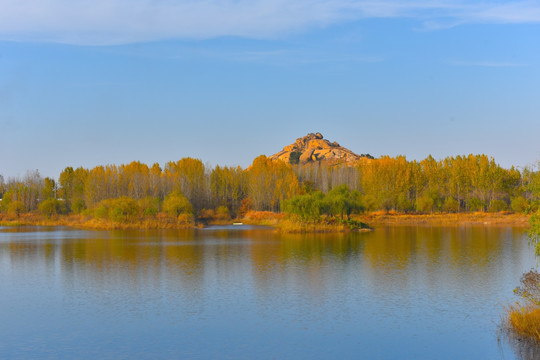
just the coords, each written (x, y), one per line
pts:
(78, 206)
(222, 213)
(519, 204)
(176, 203)
(476, 204)
(370, 203)
(207, 215)
(123, 209)
(534, 232)
(497, 205)
(524, 320)
(307, 207)
(149, 206)
(450, 205)
(245, 207)
(51, 207)
(15, 208)
(341, 201)
(404, 204)
(102, 209)
(295, 157)
(424, 204)
(186, 218)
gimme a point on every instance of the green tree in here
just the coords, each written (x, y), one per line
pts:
(307, 207)
(176, 203)
(519, 204)
(124, 209)
(149, 206)
(48, 190)
(534, 220)
(52, 207)
(341, 201)
(16, 208)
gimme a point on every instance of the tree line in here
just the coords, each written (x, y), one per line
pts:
(187, 186)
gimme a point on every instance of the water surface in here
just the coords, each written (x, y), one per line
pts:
(247, 293)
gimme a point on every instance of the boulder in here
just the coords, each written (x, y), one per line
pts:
(306, 155)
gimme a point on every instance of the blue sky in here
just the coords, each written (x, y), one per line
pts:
(84, 83)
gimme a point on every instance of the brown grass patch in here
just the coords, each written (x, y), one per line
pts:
(524, 321)
(479, 218)
(291, 226)
(161, 221)
(263, 218)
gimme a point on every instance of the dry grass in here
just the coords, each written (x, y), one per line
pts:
(325, 226)
(521, 323)
(267, 218)
(87, 222)
(480, 218)
(524, 321)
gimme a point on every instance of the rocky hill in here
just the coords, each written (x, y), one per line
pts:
(313, 147)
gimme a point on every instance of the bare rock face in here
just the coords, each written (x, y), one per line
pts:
(313, 148)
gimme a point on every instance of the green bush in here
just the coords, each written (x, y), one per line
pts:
(102, 209)
(124, 209)
(497, 205)
(307, 207)
(222, 213)
(404, 204)
(52, 207)
(476, 204)
(450, 205)
(78, 206)
(534, 231)
(6, 200)
(519, 204)
(294, 158)
(175, 204)
(339, 201)
(15, 208)
(149, 206)
(370, 203)
(120, 210)
(425, 204)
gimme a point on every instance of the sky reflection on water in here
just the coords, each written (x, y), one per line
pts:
(236, 292)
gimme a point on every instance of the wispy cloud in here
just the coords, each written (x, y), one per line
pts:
(493, 64)
(246, 54)
(108, 22)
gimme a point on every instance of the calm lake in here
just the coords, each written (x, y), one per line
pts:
(401, 292)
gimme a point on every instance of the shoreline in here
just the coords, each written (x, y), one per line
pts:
(447, 219)
(278, 221)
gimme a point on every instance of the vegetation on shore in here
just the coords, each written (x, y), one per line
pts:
(522, 319)
(280, 221)
(325, 194)
(472, 218)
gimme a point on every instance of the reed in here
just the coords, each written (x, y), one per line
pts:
(524, 321)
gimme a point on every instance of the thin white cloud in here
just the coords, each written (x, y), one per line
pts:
(493, 64)
(108, 22)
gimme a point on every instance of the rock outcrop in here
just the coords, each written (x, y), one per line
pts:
(313, 147)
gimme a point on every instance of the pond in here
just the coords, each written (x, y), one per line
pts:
(242, 292)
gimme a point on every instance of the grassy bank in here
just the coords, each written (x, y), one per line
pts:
(278, 220)
(290, 224)
(476, 218)
(86, 222)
